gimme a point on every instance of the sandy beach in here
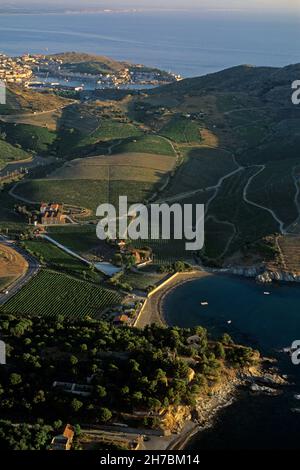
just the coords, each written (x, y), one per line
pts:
(153, 311)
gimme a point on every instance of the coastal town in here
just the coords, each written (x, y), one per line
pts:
(34, 70)
(16, 70)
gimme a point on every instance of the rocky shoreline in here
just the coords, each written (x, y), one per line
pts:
(264, 379)
(263, 275)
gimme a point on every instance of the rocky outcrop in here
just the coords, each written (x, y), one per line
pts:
(269, 276)
(263, 275)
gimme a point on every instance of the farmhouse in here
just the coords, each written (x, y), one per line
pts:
(51, 214)
(64, 440)
(121, 320)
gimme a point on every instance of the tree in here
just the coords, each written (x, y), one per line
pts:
(73, 360)
(57, 424)
(117, 260)
(226, 339)
(15, 379)
(137, 397)
(39, 397)
(105, 415)
(219, 351)
(76, 404)
(101, 391)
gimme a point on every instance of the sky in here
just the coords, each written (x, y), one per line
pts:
(207, 4)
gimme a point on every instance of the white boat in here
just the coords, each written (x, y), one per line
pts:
(229, 322)
(204, 304)
(267, 293)
(297, 397)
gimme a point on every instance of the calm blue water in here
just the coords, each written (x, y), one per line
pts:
(185, 43)
(266, 322)
(270, 321)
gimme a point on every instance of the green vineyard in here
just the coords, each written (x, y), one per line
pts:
(52, 294)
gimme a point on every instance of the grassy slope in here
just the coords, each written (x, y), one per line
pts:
(55, 258)
(9, 153)
(146, 144)
(20, 100)
(28, 137)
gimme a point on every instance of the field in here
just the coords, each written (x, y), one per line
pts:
(28, 137)
(57, 259)
(86, 125)
(278, 149)
(72, 141)
(203, 167)
(21, 100)
(12, 265)
(52, 294)
(48, 119)
(95, 180)
(89, 193)
(80, 238)
(130, 166)
(9, 153)
(217, 236)
(86, 193)
(251, 223)
(141, 280)
(252, 135)
(275, 188)
(182, 130)
(152, 144)
(165, 251)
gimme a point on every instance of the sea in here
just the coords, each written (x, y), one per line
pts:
(183, 42)
(265, 318)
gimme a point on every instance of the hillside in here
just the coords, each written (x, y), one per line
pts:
(22, 100)
(92, 64)
(235, 139)
(9, 153)
(88, 63)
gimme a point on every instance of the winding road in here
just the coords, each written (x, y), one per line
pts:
(261, 168)
(32, 270)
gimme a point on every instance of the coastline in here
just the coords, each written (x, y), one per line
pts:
(207, 407)
(224, 394)
(153, 311)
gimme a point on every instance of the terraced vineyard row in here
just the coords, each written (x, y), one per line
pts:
(52, 294)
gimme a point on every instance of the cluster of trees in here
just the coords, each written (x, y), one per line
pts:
(24, 436)
(128, 369)
(177, 267)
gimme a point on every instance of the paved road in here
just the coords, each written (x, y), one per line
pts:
(33, 269)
